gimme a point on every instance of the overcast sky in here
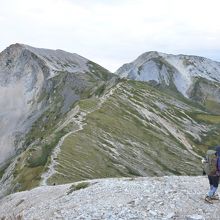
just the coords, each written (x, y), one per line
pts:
(113, 32)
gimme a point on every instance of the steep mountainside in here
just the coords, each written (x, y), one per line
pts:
(138, 131)
(194, 77)
(126, 198)
(78, 121)
(39, 87)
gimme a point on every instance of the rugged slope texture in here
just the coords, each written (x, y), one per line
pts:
(39, 88)
(81, 122)
(135, 198)
(194, 77)
(137, 131)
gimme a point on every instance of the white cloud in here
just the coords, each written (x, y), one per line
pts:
(113, 32)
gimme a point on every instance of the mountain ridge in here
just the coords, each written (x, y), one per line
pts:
(28, 79)
(39, 88)
(86, 123)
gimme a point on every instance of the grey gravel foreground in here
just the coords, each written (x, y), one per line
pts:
(153, 198)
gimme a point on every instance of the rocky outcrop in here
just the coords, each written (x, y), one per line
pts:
(181, 73)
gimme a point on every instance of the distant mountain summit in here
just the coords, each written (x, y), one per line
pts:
(194, 77)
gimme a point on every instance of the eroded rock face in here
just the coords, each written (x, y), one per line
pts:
(39, 87)
(181, 72)
(21, 80)
(29, 79)
(206, 93)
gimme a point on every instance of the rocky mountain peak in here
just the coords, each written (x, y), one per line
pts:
(28, 78)
(149, 55)
(60, 60)
(54, 60)
(176, 71)
(16, 46)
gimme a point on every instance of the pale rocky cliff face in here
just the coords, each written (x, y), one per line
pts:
(40, 89)
(21, 81)
(181, 72)
(29, 78)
